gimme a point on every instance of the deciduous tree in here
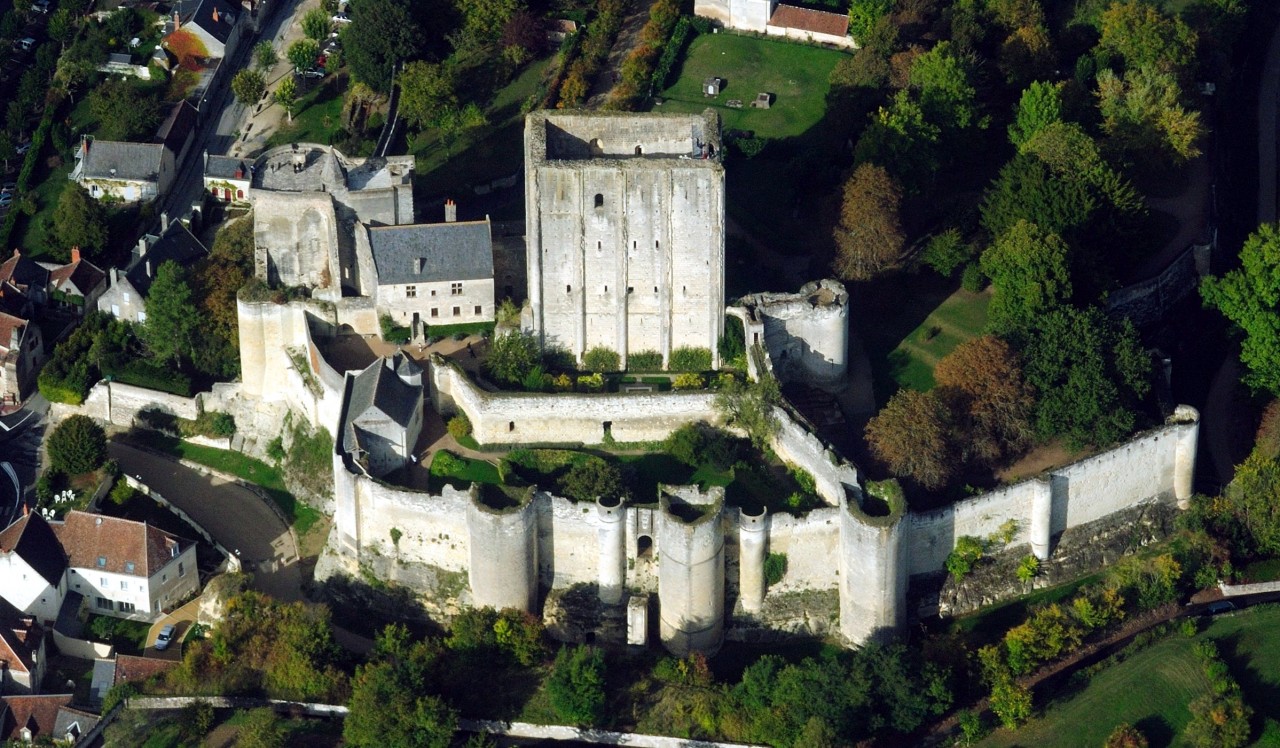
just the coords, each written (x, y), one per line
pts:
(248, 86)
(1143, 116)
(1028, 190)
(316, 24)
(303, 53)
(427, 93)
(511, 357)
(576, 685)
(1219, 721)
(900, 136)
(124, 112)
(1145, 37)
(1089, 374)
(912, 435)
(869, 237)
(264, 55)
(381, 33)
(286, 95)
(1249, 297)
(983, 379)
(1030, 269)
(863, 15)
(1039, 107)
(940, 78)
(79, 221)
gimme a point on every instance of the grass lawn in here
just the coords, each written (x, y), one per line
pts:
(317, 115)
(1152, 689)
(796, 75)
(486, 153)
(920, 318)
(461, 472)
(242, 466)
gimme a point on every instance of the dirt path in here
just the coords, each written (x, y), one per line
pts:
(628, 38)
(1191, 208)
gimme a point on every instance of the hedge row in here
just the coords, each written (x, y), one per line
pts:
(28, 168)
(686, 28)
(596, 41)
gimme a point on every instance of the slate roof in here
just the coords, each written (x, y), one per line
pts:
(123, 546)
(177, 244)
(225, 167)
(203, 16)
(130, 161)
(23, 272)
(815, 21)
(74, 719)
(177, 127)
(432, 252)
(104, 677)
(84, 275)
(379, 392)
(38, 713)
(34, 541)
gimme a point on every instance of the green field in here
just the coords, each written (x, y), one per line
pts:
(961, 316)
(1152, 689)
(317, 115)
(796, 75)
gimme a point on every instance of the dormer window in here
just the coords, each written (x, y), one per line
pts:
(128, 567)
(173, 550)
(102, 562)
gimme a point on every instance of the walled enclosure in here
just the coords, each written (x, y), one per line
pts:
(625, 231)
(806, 334)
(863, 563)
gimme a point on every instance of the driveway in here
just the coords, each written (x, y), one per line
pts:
(236, 517)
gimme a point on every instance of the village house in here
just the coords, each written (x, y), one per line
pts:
(131, 172)
(29, 277)
(32, 568)
(218, 24)
(227, 179)
(21, 346)
(76, 285)
(126, 295)
(43, 720)
(22, 652)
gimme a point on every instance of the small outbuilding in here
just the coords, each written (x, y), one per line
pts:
(711, 86)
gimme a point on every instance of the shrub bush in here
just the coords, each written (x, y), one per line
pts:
(644, 361)
(775, 568)
(576, 685)
(601, 359)
(966, 553)
(690, 359)
(591, 382)
(78, 445)
(689, 381)
(683, 32)
(393, 333)
(733, 343)
(459, 427)
(972, 279)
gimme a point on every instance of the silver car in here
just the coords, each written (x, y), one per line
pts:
(164, 637)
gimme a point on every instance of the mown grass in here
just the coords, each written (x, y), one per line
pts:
(796, 75)
(1152, 689)
(317, 115)
(301, 516)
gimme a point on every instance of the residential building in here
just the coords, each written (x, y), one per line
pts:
(218, 24)
(227, 179)
(22, 652)
(76, 285)
(432, 274)
(26, 720)
(126, 295)
(779, 19)
(21, 346)
(125, 568)
(33, 568)
(178, 131)
(131, 172)
(383, 417)
(26, 275)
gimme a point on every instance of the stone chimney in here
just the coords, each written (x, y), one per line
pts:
(164, 222)
(142, 246)
(75, 255)
(450, 211)
(215, 14)
(147, 267)
(177, 21)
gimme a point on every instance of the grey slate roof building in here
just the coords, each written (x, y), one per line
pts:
(177, 243)
(383, 414)
(109, 159)
(427, 253)
(226, 167)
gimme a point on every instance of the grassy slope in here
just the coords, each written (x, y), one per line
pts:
(1152, 688)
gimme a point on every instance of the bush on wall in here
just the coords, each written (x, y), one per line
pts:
(644, 361)
(690, 359)
(601, 359)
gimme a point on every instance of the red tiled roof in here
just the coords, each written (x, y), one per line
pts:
(84, 274)
(37, 713)
(88, 538)
(130, 668)
(19, 643)
(814, 21)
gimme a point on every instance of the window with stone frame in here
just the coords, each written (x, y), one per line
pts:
(411, 292)
(455, 289)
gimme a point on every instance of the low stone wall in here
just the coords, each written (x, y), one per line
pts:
(1234, 590)
(233, 561)
(81, 648)
(585, 735)
(310, 709)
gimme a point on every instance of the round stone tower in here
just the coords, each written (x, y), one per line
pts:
(691, 569)
(873, 571)
(613, 553)
(751, 553)
(504, 554)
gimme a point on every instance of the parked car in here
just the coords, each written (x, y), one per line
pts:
(22, 148)
(164, 637)
(312, 73)
(1222, 606)
(6, 199)
(25, 44)
(40, 6)
(340, 18)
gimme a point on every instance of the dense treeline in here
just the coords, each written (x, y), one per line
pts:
(1011, 141)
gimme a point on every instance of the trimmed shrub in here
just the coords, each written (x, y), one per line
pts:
(690, 359)
(459, 426)
(689, 381)
(392, 332)
(971, 279)
(601, 359)
(644, 361)
(78, 445)
(775, 568)
(733, 343)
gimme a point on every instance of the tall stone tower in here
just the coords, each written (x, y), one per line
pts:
(625, 231)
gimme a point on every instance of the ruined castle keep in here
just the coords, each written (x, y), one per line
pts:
(625, 231)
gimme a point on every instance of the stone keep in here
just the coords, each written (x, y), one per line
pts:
(625, 231)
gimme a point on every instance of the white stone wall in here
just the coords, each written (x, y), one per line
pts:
(931, 536)
(568, 536)
(148, 595)
(24, 588)
(523, 418)
(435, 303)
(296, 238)
(811, 544)
(811, 37)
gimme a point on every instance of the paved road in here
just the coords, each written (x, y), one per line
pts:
(236, 517)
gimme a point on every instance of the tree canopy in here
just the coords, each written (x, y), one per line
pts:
(77, 445)
(171, 326)
(381, 34)
(912, 435)
(122, 111)
(1039, 107)
(79, 221)
(982, 378)
(1144, 37)
(1249, 297)
(869, 237)
(1031, 272)
(248, 85)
